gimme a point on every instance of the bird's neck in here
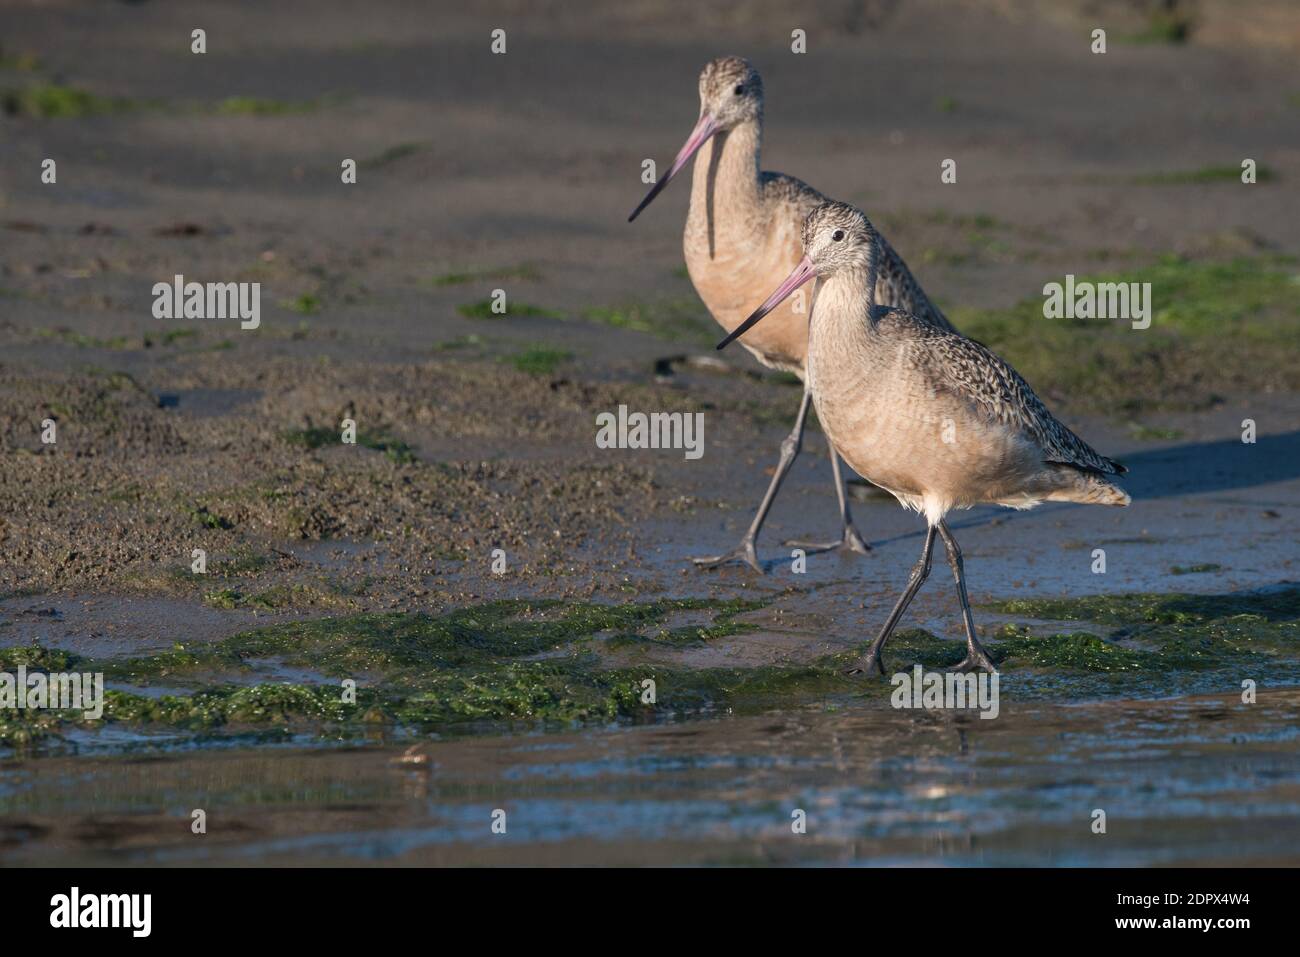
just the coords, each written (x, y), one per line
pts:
(843, 312)
(725, 188)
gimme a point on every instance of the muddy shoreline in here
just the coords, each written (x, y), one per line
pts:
(324, 560)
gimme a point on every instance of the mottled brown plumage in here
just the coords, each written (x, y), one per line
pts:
(970, 370)
(878, 373)
(934, 418)
(742, 236)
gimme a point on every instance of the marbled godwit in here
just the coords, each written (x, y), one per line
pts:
(742, 235)
(932, 417)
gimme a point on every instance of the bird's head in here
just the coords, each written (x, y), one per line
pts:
(731, 93)
(837, 238)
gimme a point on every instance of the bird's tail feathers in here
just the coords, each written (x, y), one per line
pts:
(1089, 488)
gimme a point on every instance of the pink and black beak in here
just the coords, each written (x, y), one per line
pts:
(704, 128)
(802, 273)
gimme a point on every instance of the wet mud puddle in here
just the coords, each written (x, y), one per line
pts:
(1130, 730)
(1194, 780)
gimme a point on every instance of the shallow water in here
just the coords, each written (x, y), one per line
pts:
(1194, 780)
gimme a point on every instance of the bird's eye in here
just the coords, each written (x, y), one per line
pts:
(837, 235)
(740, 88)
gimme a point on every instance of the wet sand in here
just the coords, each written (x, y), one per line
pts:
(1197, 781)
(478, 172)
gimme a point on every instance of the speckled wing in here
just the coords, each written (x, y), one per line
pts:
(790, 193)
(969, 370)
(896, 287)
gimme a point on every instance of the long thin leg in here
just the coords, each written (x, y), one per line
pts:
(849, 540)
(790, 447)
(976, 656)
(920, 572)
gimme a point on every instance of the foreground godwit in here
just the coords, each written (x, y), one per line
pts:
(742, 236)
(931, 416)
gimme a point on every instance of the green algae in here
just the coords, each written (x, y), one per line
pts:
(227, 598)
(229, 704)
(703, 634)
(1163, 24)
(392, 154)
(916, 646)
(525, 272)
(1272, 605)
(265, 106)
(672, 319)
(307, 304)
(169, 337)
(1216, 328)
(1138, 641)
(35, 657)
(293, 595)
(1205, 174)
(83, 341)
(484, 309)
(1152, 433)
(319, 436)
(1161, 633)
(498, 661)
(722, 625)
(500, 665)
(242, 562)
(23, 62)
(24, 728)
(751, 690)
(1080, 651)
(59, 101)
(456, 343)
(477, 636)
(539, 361)
(208, 519)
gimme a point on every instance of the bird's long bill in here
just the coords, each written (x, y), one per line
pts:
(704, 128)
(802, 273)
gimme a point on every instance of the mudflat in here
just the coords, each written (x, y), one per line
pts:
(497, 584)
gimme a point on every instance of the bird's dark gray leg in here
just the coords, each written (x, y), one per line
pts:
(849, 540)
(790, 446)
(920, 572)
(976, 656)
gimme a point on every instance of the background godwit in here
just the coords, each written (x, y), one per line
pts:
(742, 235)
(934, 418)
